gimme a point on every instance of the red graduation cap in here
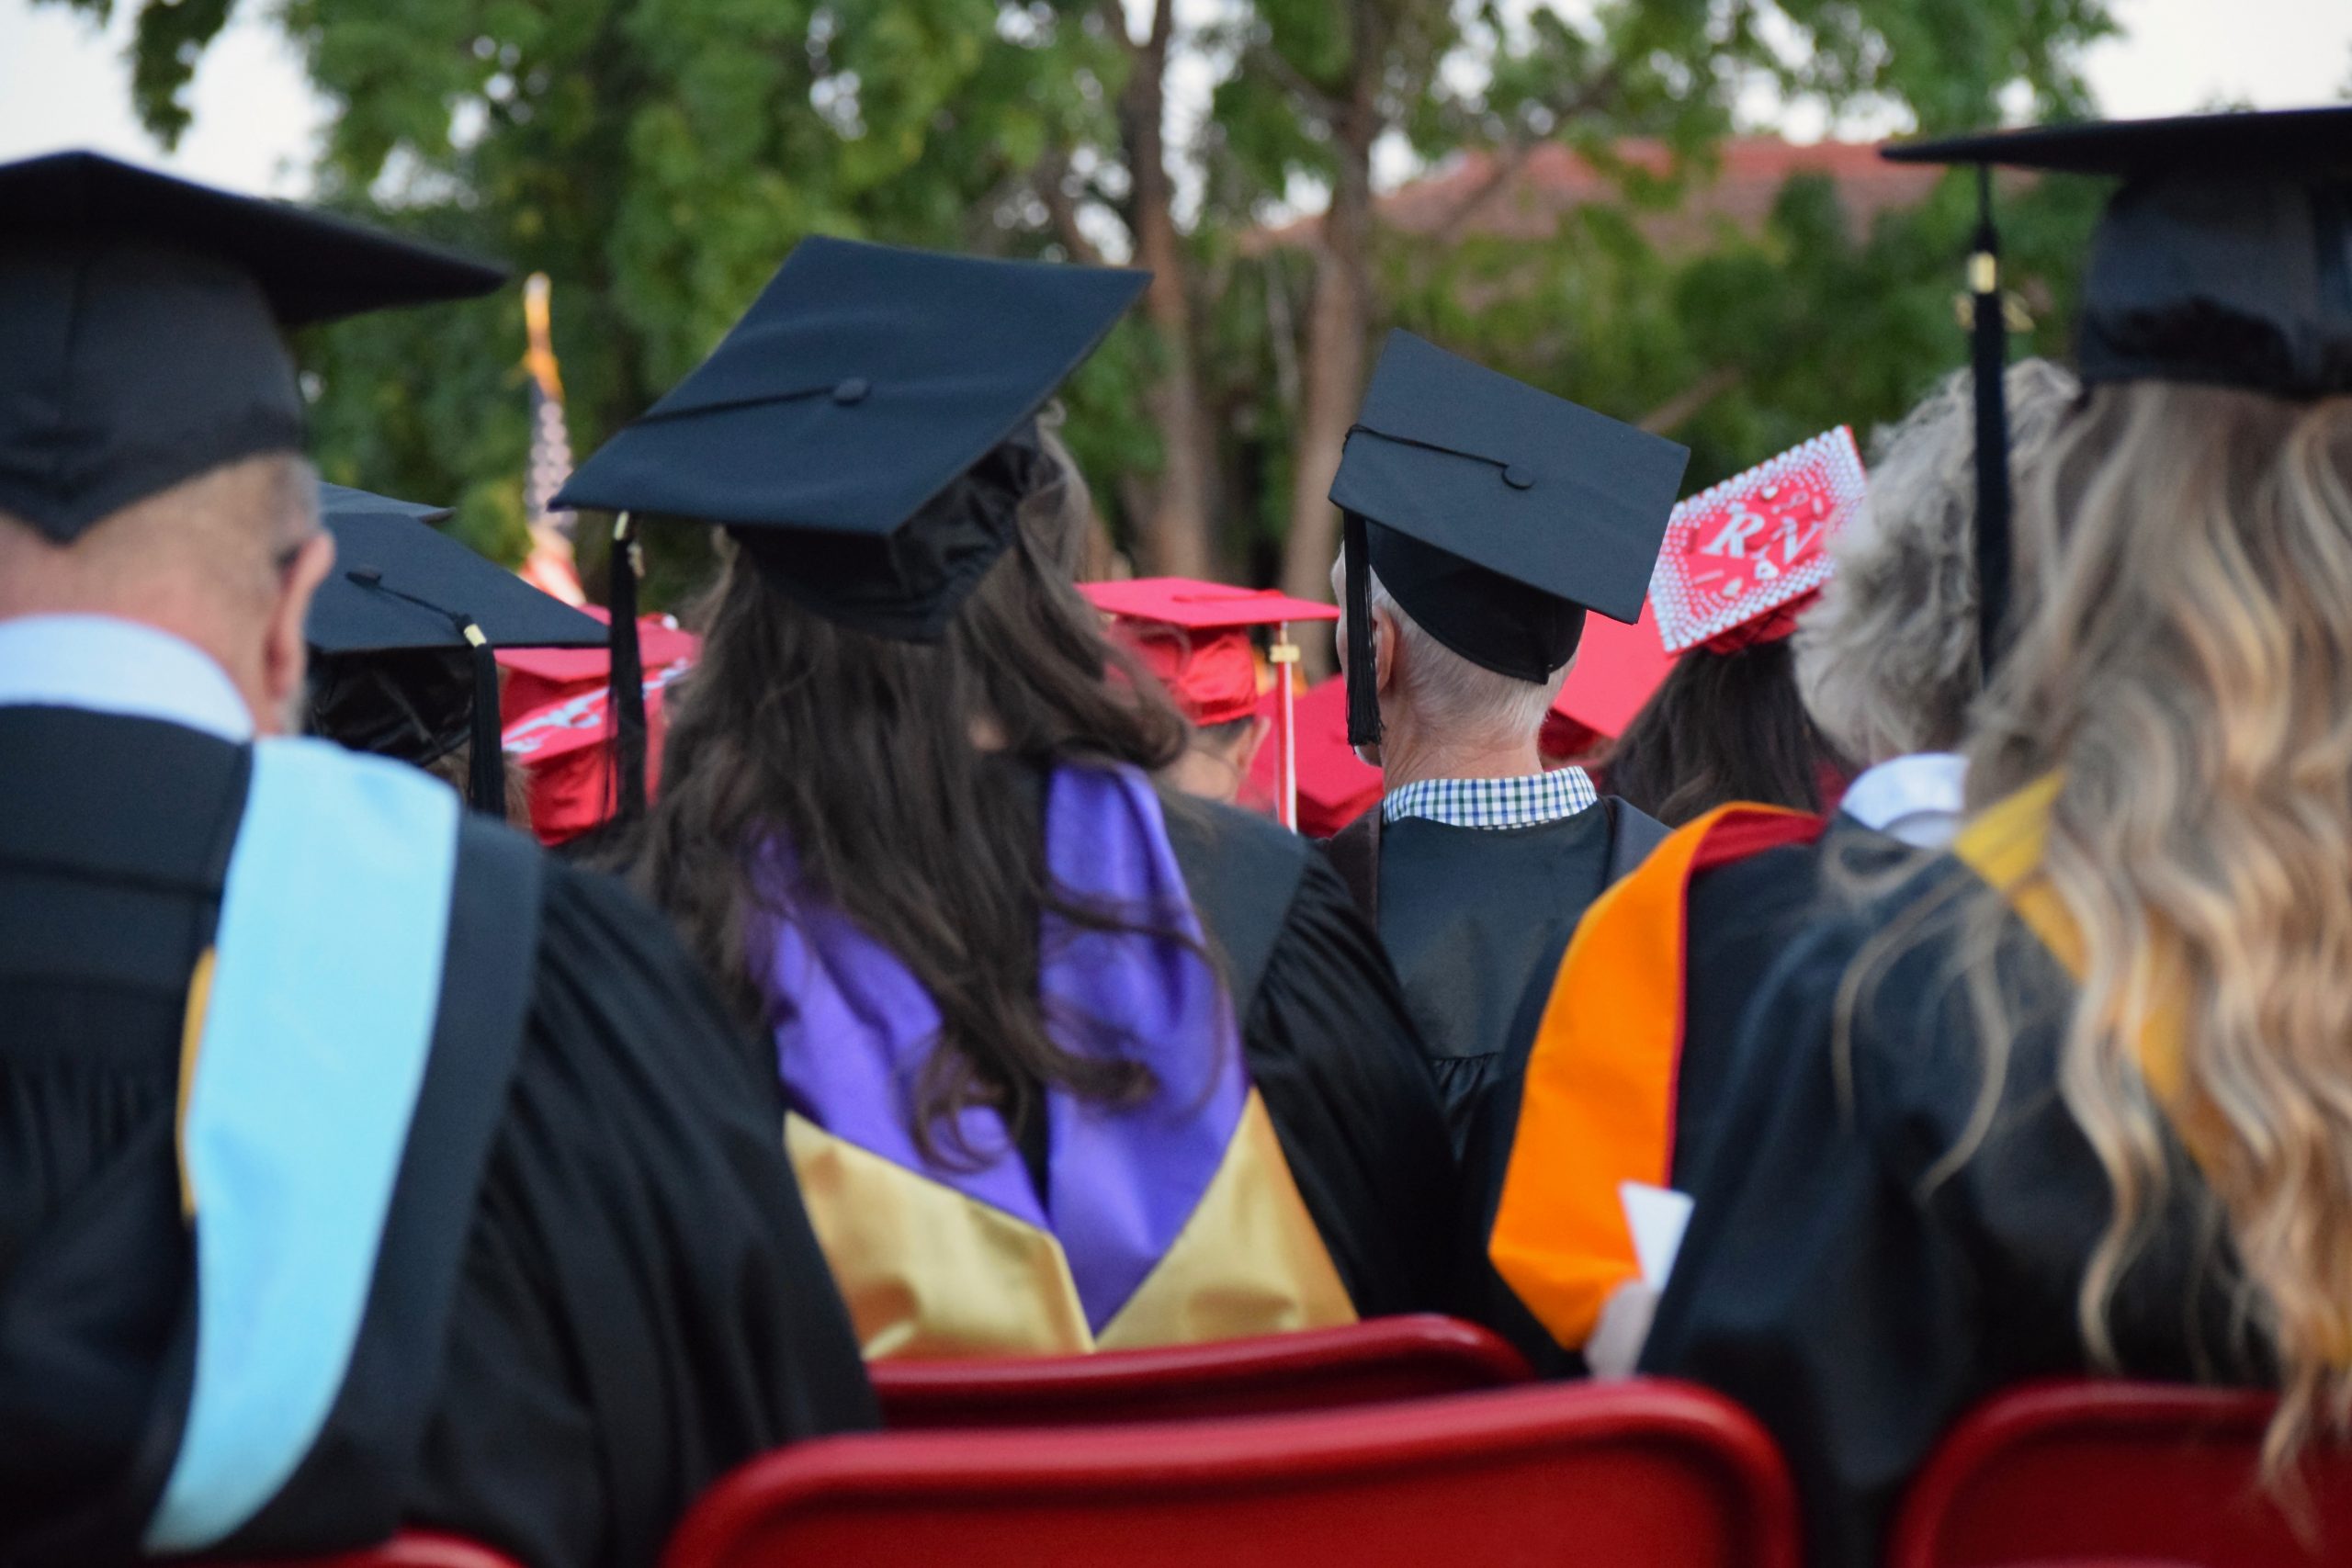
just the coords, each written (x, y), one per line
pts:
(1741, 560)
(1334, 786)
(557, 723)
(1617, 668)
(1195, 637)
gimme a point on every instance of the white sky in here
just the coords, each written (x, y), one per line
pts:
(63, 82)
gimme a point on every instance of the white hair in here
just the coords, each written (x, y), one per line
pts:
(1887, 660)
(1450, 693)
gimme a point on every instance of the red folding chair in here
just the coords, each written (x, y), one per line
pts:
(2117, 1473)
(1612, 1476)
(410, 1549)
(1373, 1362)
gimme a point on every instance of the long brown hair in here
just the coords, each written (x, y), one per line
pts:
(904, 776)
(2187, 672)
(1722, 726)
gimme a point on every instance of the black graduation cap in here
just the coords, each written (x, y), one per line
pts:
(1495, 513)
(406, 628)
(140, 327)
(2225, 258)
(866, 431)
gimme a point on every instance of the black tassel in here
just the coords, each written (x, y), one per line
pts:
(486, 771)
(1989, 359)
(1363, 680)
(627, 698)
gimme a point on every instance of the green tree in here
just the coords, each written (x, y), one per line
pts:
(657, 158)
(1323, 81)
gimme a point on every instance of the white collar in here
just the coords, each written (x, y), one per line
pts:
(107, 665)
(1918, 799)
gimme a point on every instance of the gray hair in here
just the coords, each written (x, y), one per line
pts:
(1887, 660)
(1449, 690)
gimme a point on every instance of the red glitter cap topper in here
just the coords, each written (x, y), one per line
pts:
(1755, 542)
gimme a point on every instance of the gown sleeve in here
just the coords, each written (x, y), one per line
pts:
(643, 1305)
(1332, 1050)
(1817, 1285)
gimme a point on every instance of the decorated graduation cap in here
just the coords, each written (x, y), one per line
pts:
(867, 433)
(405, 628)
(1742, 558)
(2223, 258)
(141, 322)
(1195, 637)
(1493, 513)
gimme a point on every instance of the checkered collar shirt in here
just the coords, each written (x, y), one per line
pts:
(1524, 802)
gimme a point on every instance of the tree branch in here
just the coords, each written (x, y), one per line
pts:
(1050, 180)
(1292, 80)
(1670, 414)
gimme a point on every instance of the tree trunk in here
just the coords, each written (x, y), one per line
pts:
(1339, 324)
(1176, 538)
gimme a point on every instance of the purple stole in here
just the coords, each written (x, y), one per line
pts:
(1174, 1219)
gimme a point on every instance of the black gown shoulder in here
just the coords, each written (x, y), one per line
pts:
(1468, 915)
(643, 1304)
(640, 1302)
(1332, 1050)
(1856, 1285)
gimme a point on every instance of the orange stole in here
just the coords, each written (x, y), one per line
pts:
(1598, 1106)
(928, 1272)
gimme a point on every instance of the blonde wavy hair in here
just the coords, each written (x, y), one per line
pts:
(1887, 660)
(2187, 669)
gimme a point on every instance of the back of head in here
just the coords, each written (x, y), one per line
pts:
(903, 777)
(1445, 702)
(209, 559)
(1887, 660)
(2187, 679)
(1722, 726)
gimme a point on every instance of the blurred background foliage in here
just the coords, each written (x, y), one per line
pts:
(657, 159)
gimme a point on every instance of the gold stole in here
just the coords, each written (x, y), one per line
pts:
(2004, 845)
(928, 1272)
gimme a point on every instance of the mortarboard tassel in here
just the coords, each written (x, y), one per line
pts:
(486, 762)
(1364, 682)
(627, 693)
(1990, 356)
(486, 766)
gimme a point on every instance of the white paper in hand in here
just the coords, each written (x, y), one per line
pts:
(1657, 1216)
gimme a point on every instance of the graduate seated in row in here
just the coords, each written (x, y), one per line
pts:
(2076, 1094)
(1071, 1064)
(360, 1168)
(1742, 562)
(1484, 519)
(1886, 656)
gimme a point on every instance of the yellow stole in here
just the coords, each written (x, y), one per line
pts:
(2004, 845)
(928, 1272)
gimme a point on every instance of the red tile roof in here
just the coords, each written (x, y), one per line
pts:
(1528, 202)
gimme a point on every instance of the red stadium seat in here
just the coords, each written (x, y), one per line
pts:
(410, 1549)
(1366, 1363)
(2117, 1473)
(1590, 1475)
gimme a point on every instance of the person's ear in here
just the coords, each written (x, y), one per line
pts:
(1253, 741)
(286, 652)
(1385, 645)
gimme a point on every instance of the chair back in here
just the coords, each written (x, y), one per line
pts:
(410, 1549)
(2119, 1472)
(1379, 1361)
(1657, 1474)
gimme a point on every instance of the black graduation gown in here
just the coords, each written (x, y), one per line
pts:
(1857, 1311)
(1468, 915)
(1333, 1052)
(1738, 918)
(639, 1302)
